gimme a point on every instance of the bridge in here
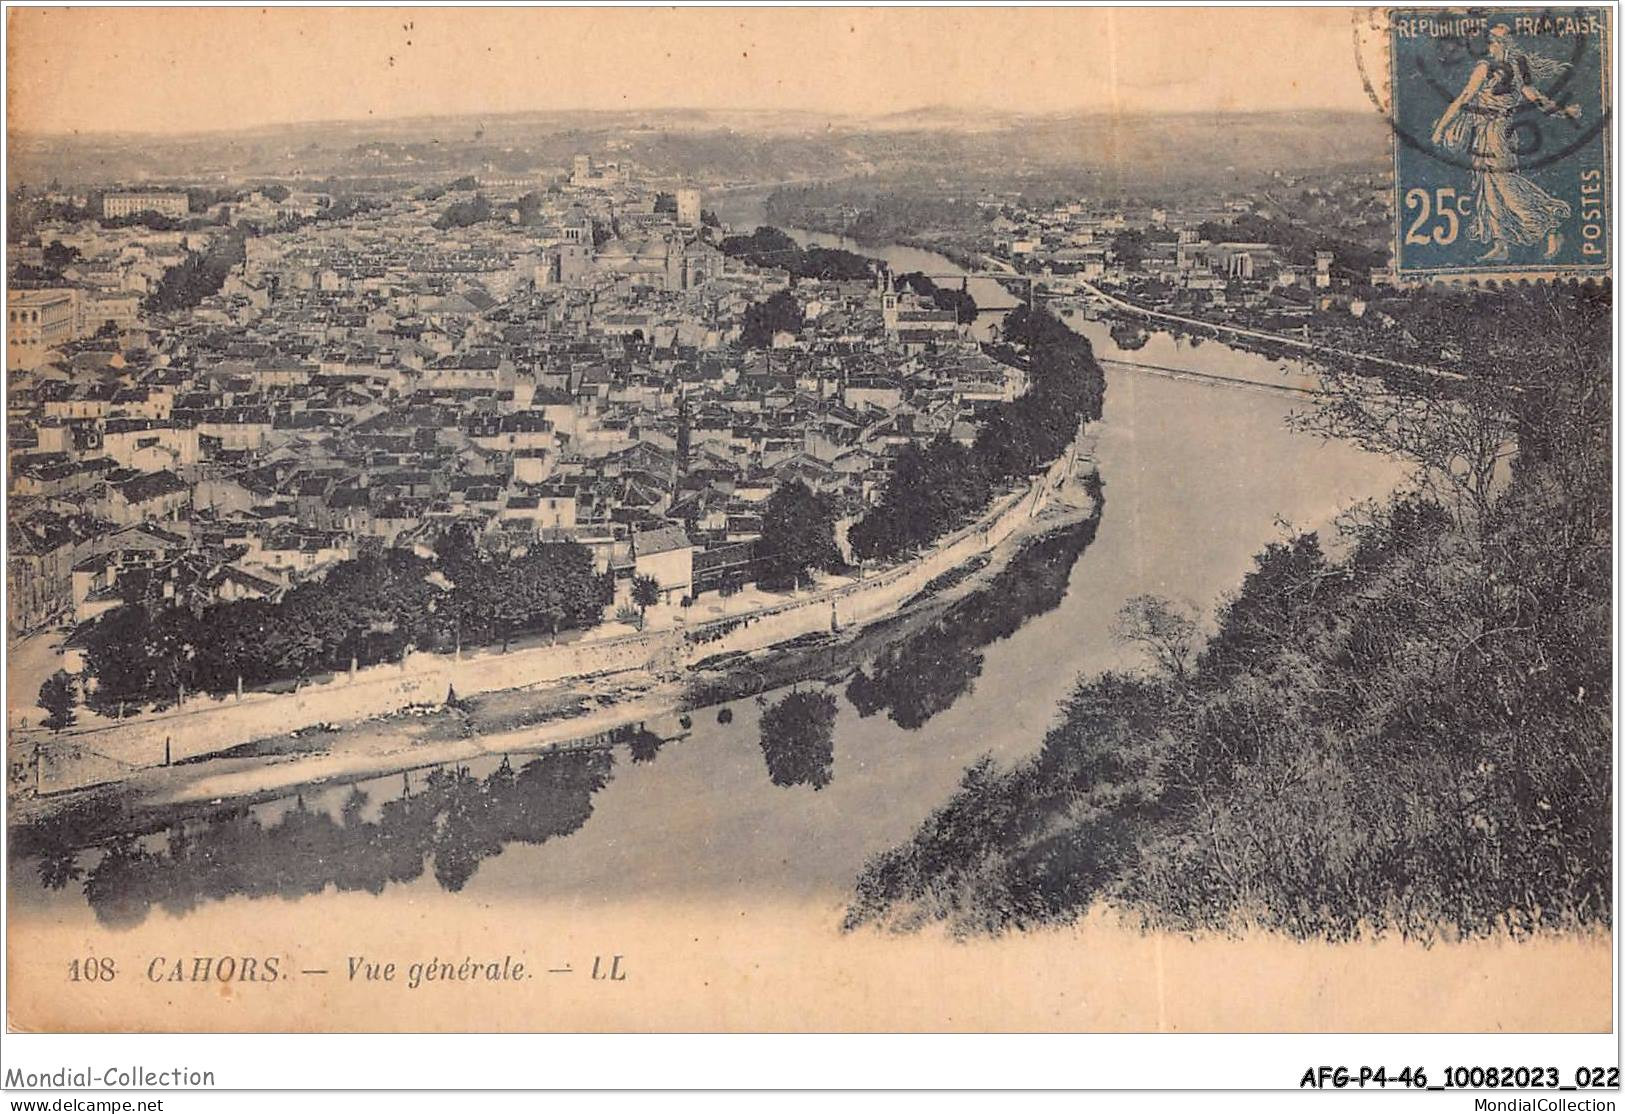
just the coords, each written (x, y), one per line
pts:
(1208, 379)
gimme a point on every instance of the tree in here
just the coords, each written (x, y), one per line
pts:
(798, 534)
(1128, 248)
(117, 656)
(58, 697)
(932, 490)
(59, 255)
(461, 214)
(199, 275)
(645, 593)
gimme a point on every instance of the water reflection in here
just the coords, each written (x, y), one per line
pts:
(798, 739)
(58, 868)
(932, 668)
(451, 819)
(1128, 336)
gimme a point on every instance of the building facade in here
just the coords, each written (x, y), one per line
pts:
(688, 208)
(38, 321)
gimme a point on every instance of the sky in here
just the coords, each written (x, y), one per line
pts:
(180, 70)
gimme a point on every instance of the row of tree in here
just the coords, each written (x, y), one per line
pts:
(199, 275)
(364, 611)
(944, 485)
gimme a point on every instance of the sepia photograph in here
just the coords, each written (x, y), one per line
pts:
(810, 520)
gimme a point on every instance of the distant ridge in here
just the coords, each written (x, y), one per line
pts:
(767, 120)
(733, 147)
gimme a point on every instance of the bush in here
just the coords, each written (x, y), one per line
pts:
(367, 610)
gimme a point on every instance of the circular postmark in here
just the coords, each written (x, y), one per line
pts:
(1544, 126)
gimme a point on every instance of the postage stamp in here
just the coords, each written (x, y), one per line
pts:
(1501, 123)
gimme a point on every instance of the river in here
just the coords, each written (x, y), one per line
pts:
(718, 817)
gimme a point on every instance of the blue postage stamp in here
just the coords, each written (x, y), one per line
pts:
(1501, 123)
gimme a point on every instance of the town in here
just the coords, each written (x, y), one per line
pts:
(1297, 254)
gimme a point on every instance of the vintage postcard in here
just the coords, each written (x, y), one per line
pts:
(1066, 520)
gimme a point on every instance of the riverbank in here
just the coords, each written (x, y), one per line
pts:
(518, 720)
(1262, 342)
(1197, 480)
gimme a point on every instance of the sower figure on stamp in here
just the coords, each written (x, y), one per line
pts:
(1508, 208)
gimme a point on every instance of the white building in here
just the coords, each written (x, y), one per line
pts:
(38, 321)
(688, 208)
(666, 555)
